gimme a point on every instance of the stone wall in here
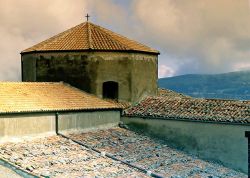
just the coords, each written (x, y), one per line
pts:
(136, 73)
(223, 143)
(15, 125)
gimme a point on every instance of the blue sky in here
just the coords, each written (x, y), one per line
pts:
(193, 36)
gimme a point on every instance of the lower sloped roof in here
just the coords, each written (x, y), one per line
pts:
(170, 93)
(47, 96)
(214, 110)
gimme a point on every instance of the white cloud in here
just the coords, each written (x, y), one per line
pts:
(193, 36)
(242, 66)
(165, 71)
(211, 34)
(27, 22)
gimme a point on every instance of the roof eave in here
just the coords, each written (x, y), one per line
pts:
(185, 119)
(62, 111)
(90, 50)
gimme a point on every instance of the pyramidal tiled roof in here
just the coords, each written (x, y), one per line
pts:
(88, 36)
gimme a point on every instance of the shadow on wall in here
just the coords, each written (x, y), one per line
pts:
(174, 137)
(222, 143)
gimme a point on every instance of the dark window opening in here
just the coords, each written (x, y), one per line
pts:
(110, 90)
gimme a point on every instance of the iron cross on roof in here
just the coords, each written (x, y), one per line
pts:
(87, 16)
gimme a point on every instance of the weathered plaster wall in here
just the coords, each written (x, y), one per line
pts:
(26, 124)
(224, 143)
(88, 120)
(39, 123)
(29, 67)
(136, 73)
(146, 70)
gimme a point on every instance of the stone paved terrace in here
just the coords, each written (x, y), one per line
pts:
(152, 154)
(8, 173)
(58, 157)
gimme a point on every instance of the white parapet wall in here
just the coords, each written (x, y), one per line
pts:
(223, 143)
(26, 124)
(84, 121)
(33, 124)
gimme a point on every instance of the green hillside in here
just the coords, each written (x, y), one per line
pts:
(233, 85)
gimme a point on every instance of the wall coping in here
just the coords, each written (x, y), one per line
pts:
(188, 120)
(60, 111)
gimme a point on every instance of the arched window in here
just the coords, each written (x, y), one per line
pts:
(110, 90)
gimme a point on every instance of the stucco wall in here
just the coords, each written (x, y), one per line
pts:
(136, 73)
(39, 123)
(29, 67)
(26, 124)
(88, 120)
(224, 143)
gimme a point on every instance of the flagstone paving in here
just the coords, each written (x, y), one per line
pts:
(59, 157)
(153, 155)
(55, 156)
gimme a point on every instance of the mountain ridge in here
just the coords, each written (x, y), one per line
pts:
(232, 85)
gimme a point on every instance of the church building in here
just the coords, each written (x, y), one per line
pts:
(66, 78)
(95, 60)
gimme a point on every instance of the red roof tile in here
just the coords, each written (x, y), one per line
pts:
(170, 93)
(192, 109)
(87, 36)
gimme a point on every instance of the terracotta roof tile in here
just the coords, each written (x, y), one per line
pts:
(192, 109)
(87, 36)
(39, 96)
(120, 104)
(170, 93)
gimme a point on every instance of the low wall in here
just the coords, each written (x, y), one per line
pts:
(26, 124)
(223, 143)
(15, 125)
(88, 120)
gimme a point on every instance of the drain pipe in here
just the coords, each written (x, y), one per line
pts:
(247, 134)
(56, 122)
(109, 155)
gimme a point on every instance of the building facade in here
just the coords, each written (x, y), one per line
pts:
(95, 60)
(33, 108)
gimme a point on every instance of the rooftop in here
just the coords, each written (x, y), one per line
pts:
(120, 104)
(192, 109)
(170, 93)
(88, 36)
(47, 96)
(55, 156)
